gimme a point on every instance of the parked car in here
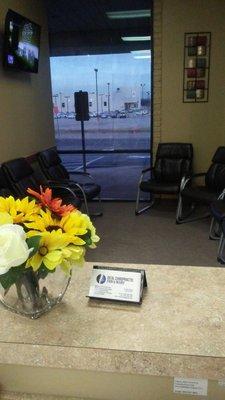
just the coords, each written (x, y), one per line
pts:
(138, 111)
(145, 112)
(141, 111)
(122, 114)
(105, 114)
(114, 114)
(92, 114)
(61, 115)
(70, 115)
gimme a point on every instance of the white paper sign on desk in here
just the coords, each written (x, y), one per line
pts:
(195, 387)
(109, 283)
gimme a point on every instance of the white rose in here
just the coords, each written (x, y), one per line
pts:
(13, 247)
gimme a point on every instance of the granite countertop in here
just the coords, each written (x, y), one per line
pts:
(178, 330)
(24, 396)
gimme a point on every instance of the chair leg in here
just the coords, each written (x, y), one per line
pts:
(100, 212)
(139, 211)
(84, 197)
(179, 210)
(85, 203)
(181, 218)
(214, 231)
(220, 255)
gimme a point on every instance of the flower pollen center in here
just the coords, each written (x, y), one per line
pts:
(54, 228)
(43, 250)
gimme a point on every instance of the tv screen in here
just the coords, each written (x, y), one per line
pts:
(22, 43)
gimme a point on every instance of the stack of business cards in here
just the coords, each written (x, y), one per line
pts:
(119, 284)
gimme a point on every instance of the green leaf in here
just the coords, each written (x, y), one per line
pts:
(42, 272)
(87, 237)
(31, 198)
(33, 242)
(11, 276)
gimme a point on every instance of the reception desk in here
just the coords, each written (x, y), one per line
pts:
(103, 350)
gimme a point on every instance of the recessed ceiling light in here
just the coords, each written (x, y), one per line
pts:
(129, 14)
(135, 38)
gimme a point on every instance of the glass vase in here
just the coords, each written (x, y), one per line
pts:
(33, 296)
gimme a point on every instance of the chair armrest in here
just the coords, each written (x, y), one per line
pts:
(147, 169)
(186, 179)
(65, 182)
(64, 187)
(143, 172)
(80, 173)
(198, 175)
(70, 181)
(222, 195)
(57, 182)
(85, 174)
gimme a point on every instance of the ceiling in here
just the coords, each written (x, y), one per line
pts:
(82, 27)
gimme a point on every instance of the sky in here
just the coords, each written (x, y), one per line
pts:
(73, 73)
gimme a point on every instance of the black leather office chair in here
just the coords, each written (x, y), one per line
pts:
(212, 189)
(173, 161)
(217, 228)
(4, 188)
(54, 171)
(221, 257)
(20, 176)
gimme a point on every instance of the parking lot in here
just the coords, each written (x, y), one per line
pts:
(134, 123)
(118, 174)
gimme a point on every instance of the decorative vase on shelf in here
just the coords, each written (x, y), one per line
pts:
(41, 240)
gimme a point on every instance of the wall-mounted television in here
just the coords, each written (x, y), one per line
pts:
(21, 43)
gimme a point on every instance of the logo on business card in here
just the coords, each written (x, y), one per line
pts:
(101, 278)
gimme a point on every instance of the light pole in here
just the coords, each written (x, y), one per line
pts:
(96, 86)
(117, 98)
(142, 90)
(55, 96)
(67, 103)
(101, 96)
(60, 100)
(108, 84)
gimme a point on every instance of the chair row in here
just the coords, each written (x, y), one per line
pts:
(47, 170)
(172, 173)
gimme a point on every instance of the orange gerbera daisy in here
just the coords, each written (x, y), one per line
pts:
(46, 200)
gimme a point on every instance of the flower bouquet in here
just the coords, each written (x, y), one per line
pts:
(40, 238)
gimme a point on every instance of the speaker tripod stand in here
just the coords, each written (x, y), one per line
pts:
(88, 190)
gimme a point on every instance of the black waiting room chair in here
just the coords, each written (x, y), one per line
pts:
(20, 176)
(173, 161)
(213, 188)
(82, 183)
(217, 229)
(4, 187)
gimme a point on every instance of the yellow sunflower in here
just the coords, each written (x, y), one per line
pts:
(42, 222)
(17, 211)
(72, 255)
(74, 224)
(90, 227)
(51, 251)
